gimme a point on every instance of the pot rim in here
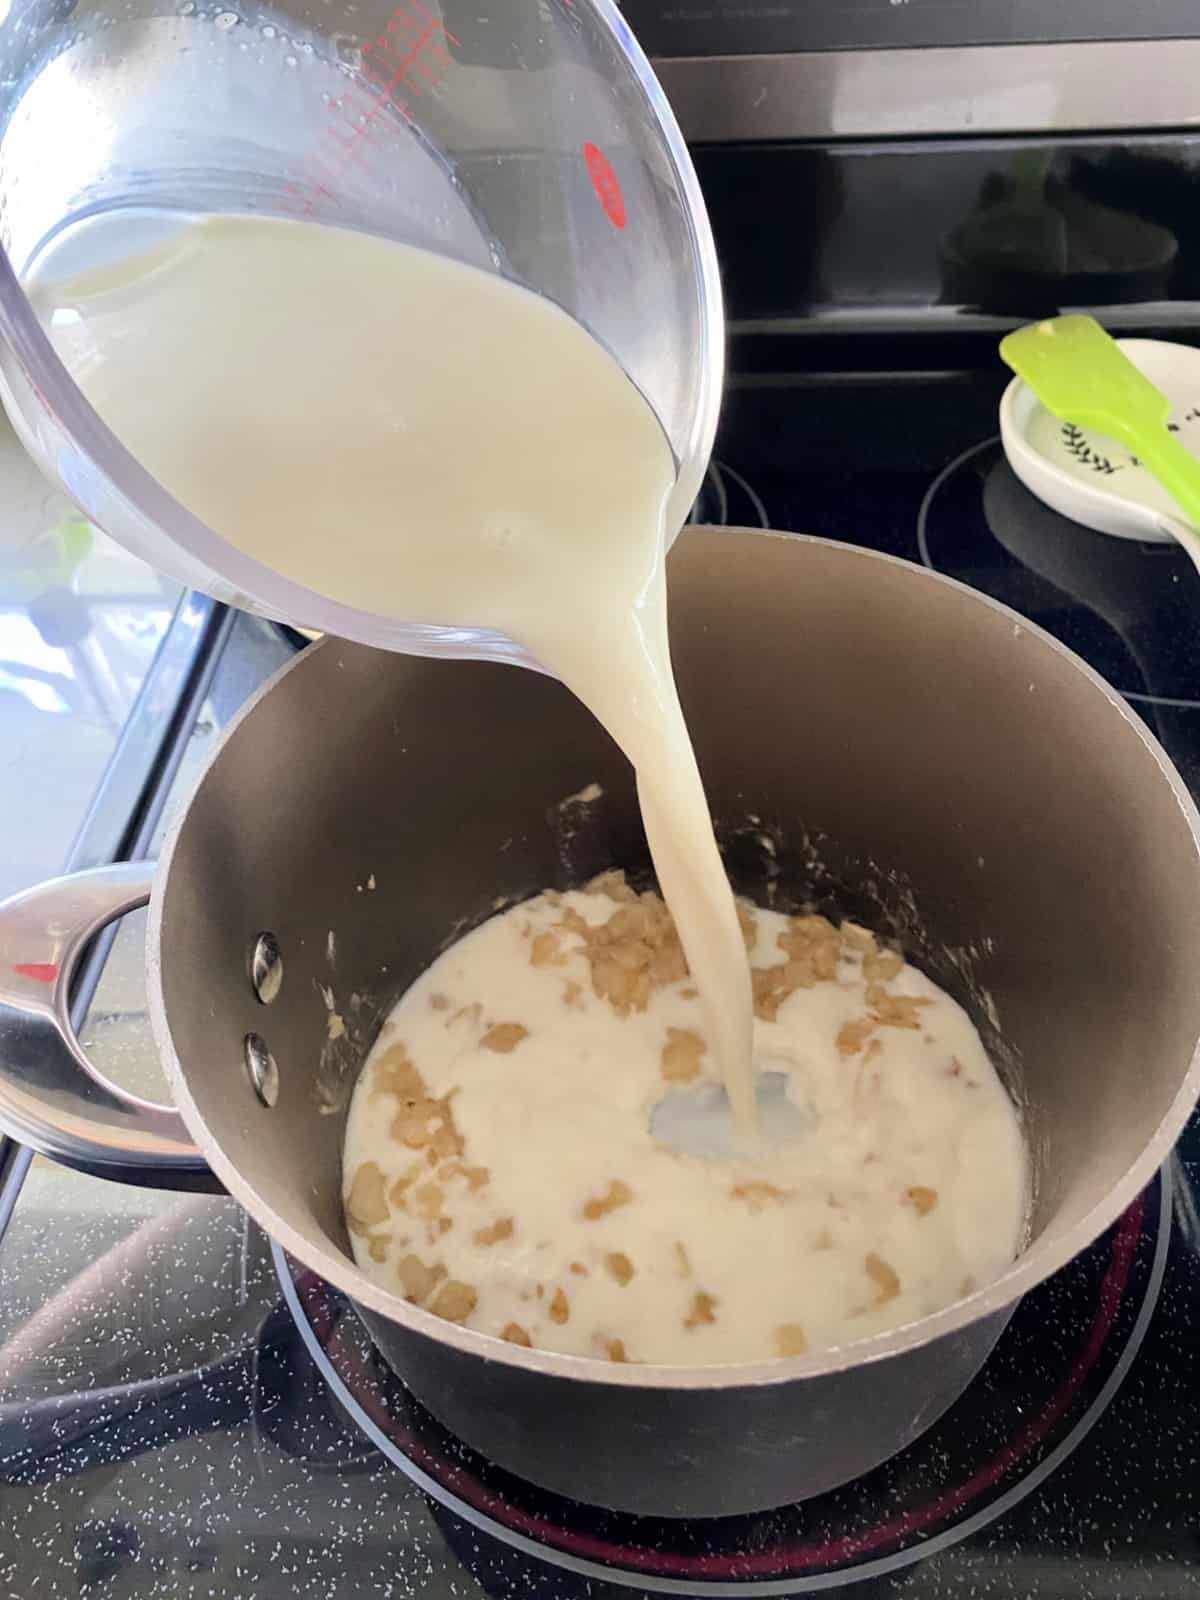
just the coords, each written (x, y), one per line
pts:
(1029, 1269)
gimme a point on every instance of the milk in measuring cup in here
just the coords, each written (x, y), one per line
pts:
(419, 438)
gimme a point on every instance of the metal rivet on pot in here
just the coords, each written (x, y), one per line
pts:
(266, 967)
(261, 1068)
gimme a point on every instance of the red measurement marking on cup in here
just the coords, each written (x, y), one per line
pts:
(429, 18)
(604, 182)
(407, 59)
(431, 57)
(39, 971)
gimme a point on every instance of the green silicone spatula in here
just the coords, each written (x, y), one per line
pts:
(1082, 378)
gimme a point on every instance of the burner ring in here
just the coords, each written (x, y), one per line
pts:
(727, 499)
(1110, 1292)
(1128, 608)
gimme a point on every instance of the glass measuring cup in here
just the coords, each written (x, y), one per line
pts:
(533, 142)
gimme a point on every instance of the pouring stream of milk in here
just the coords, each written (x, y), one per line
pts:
(422, 439)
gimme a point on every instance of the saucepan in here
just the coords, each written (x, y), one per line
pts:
(877, 741)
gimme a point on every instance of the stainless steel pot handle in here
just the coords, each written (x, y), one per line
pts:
(52, 1098)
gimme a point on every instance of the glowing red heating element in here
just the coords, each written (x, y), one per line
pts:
(407, 58)
(604, 181)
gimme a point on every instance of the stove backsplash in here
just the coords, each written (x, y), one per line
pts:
(952, 237)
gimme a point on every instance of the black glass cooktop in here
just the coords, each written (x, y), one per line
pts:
(185, 1417)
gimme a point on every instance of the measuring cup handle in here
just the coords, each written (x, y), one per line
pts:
(52, 1097)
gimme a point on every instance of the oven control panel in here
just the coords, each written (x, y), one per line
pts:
(752, 27)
